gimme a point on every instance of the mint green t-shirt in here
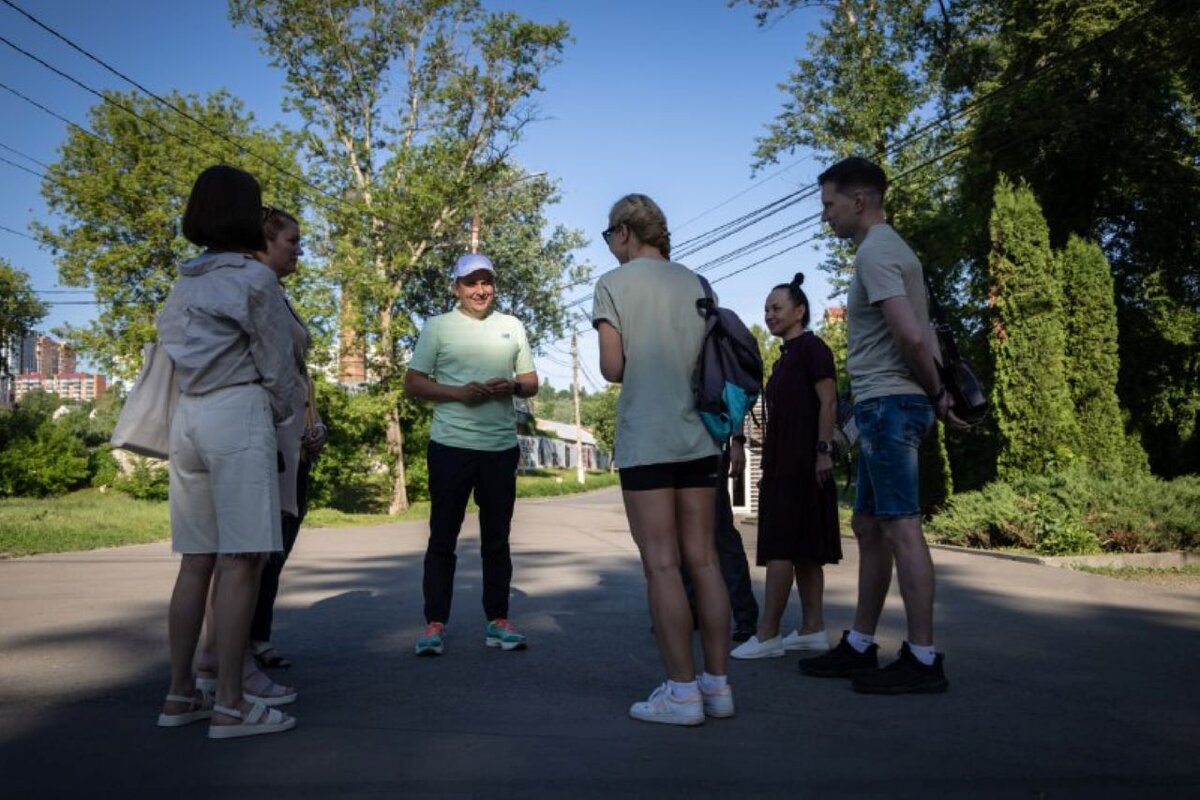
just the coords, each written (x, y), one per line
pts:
(455, 349)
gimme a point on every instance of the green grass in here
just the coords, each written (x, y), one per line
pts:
(88, 519)
(1143, 573)
(82, 520)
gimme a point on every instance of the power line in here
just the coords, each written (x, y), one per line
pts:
(24, 155)
(213, 131)
(23, 168)
(7, 229)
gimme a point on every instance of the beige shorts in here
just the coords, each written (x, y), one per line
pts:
(224, 473)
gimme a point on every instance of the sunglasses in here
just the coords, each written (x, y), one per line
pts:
(607, 234)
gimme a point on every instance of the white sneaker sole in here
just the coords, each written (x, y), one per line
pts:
(665, 719)
(757, 654)
(503, 645)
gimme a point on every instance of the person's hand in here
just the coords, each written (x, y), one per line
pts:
(473, 393)
(824, 468)
(737, 457)
(944, 409)
(501, 387)
(314, 440)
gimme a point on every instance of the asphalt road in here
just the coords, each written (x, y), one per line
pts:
(1063, 684)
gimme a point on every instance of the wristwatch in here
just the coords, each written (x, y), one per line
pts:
(824, 448)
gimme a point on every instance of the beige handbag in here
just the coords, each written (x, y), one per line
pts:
(144, 426)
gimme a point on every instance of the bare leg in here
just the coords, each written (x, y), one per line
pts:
(914, 569)
(775, 598)
(184, 619)
(233, 607)
(652, 521)
(874, 572)
(694, 509)
(810, 585)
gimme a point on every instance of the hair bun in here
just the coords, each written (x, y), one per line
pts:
(798, 279)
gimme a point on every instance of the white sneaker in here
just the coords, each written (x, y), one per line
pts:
(662, 707)
(753, 648)
(812, 642)
(719, 702)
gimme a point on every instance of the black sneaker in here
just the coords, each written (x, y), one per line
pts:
(842, 661)
(742, 633)
(905, 675)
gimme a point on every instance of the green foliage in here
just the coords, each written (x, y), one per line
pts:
(1075, 511)
(120, 203)
(103, 466)
(145, 480)
(20, 310)
(411, 112)
(602, 417)
(1092, 103)
(769, 349)
(1092, 361)
(51, 462)
(79, 521)
(351, 473)
(1032, 404)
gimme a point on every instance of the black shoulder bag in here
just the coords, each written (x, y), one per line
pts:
(970, 398)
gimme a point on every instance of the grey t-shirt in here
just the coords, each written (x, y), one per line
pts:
(652, 304)
(884, 266)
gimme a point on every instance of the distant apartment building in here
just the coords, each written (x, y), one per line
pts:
(47, 365)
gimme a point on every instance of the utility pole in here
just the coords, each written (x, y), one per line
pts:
(579, 474)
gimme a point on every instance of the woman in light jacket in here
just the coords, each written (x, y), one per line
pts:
(225, 326)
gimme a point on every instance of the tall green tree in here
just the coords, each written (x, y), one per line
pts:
(1034, 412)
(20, 309)
(411, 111)
(1092, 361)
(120, 195)
(1094, 103)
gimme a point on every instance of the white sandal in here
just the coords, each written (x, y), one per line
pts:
(198, 709)
(259, 721)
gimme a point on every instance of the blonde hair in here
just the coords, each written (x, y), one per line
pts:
(647, 221)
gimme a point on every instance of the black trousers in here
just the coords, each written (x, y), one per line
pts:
(268, 587)
(454, 473)
(731, 554)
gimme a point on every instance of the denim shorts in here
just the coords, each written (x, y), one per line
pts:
(890, 432)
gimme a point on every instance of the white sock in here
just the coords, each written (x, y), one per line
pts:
(859, 641)
(924, 653)
(683, 690)
(712, 683)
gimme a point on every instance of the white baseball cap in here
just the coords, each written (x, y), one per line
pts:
(472, 262)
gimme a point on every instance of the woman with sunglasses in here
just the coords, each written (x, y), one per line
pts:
(299, 442)
(650, 337)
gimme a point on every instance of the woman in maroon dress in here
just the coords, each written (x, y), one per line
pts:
(797, 500)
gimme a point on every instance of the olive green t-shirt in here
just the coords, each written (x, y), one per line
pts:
(455, 349)
(652, 304)
(884, 267)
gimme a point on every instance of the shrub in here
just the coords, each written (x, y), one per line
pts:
(146, 480)
(52, 462)
(103, 467)
(1075, 512)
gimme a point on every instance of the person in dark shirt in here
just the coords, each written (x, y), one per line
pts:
(797, 500)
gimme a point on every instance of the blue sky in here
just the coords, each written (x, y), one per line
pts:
(663, 97)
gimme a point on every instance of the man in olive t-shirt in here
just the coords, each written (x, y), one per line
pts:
(470, 363)
(898, 393)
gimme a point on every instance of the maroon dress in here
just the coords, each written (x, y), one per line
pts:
(796, 518)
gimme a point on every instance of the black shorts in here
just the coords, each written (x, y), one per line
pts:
(702, 473)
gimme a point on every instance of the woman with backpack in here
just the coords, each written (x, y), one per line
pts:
(651, 332)
(797, 500)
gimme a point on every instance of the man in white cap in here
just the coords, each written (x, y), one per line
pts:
(470, 363)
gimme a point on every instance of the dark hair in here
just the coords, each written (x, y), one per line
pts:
(856, 173)
(797, 294)
(224, 211)
(645, 219)
(275, 220)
